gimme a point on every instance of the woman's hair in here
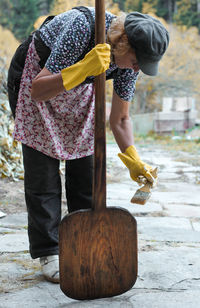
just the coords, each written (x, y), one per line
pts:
(117, 37)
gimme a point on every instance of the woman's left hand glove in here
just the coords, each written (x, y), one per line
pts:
(136, 167)
(94, 63)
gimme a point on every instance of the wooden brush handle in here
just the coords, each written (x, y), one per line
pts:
(146, 188)
(99, 182)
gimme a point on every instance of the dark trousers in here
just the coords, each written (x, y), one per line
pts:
(42, 184)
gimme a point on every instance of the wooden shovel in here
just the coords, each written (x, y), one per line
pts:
(98, 246)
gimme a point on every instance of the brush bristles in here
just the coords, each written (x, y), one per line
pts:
(141, 197)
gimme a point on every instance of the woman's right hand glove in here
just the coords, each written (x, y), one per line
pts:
(94, 63)
(136, 167)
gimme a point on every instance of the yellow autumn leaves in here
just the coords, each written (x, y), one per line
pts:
(8, 44)
(10, 150)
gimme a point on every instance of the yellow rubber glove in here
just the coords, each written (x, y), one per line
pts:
(136, 167)
(94, 63)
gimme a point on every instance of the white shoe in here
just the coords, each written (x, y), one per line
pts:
(50, 268)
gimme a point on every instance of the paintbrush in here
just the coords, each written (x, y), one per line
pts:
(144, 193)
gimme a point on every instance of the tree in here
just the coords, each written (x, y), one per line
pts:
(23, 16)
(188, 13)
(5, 13)
(7, 50)
(60, 6)
(20, 15)
(178, 74)
(121, 4)
(131, 6)
(43, 6)
(149, 7)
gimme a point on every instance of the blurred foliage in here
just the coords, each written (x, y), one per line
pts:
(121, 4)
(10, 150)
(182, 12)
(7, 50)
(20, 15)
(188, 13)
(178, 74)
(39, 21)
(60, 6)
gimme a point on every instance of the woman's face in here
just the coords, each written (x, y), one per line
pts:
(127, 61)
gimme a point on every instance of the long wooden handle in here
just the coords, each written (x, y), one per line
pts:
(99, 183)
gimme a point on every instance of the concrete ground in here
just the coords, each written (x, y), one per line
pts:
(168, 240)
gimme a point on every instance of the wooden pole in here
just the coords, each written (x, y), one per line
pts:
(99, 183)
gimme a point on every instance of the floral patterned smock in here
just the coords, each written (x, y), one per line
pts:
(63, 127)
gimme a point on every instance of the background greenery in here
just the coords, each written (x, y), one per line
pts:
(19, 15)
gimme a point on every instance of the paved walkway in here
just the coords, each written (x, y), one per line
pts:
(168, 240)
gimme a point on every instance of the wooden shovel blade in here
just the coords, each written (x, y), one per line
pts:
(98, 253)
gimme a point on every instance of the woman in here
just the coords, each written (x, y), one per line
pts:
(55, 114)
